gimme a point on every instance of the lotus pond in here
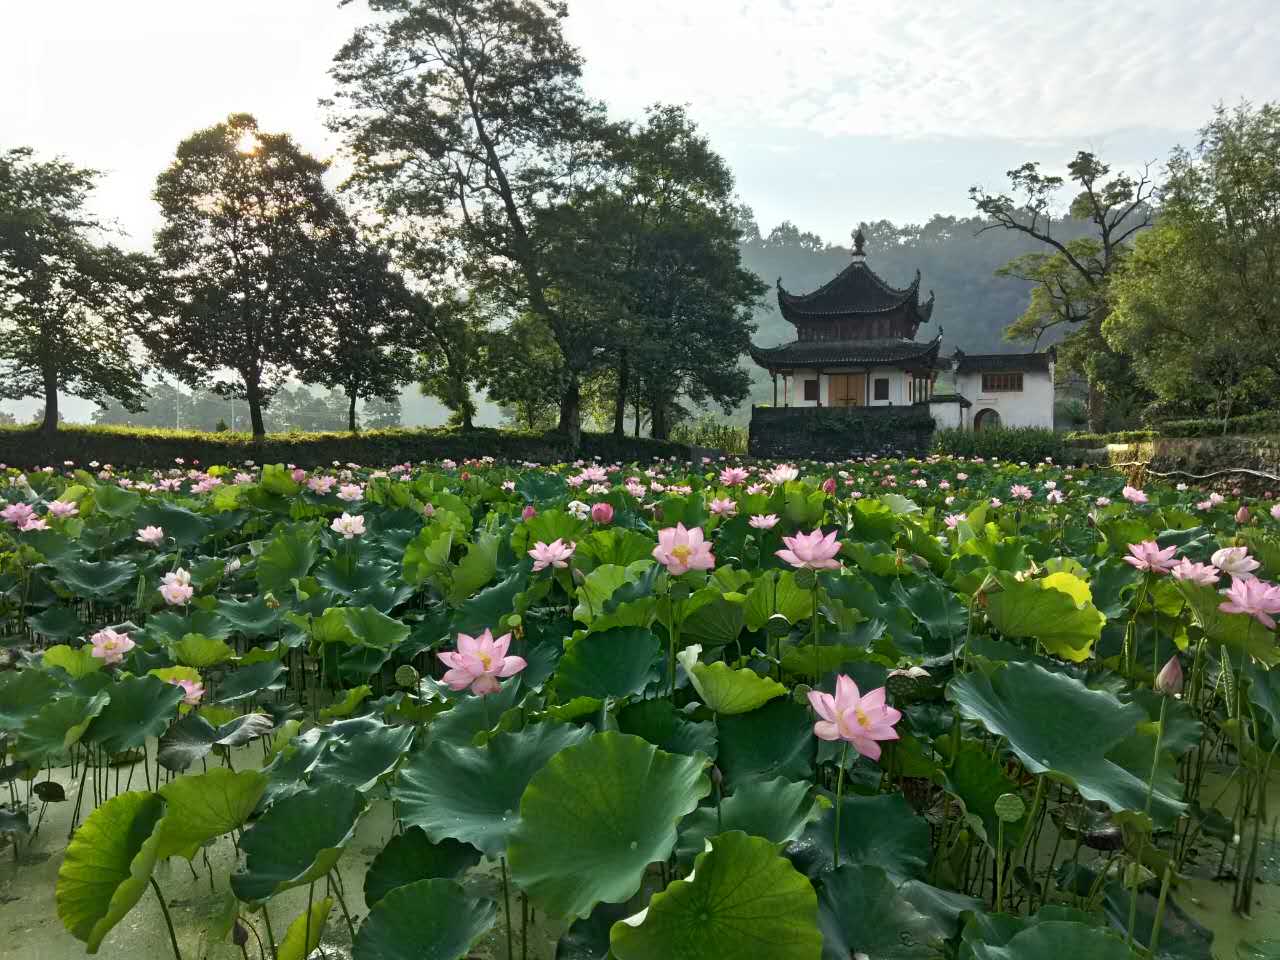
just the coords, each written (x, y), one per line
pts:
(881, 709)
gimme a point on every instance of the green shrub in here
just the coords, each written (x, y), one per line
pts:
(1085, 439)
(1266, 421)
(144, 447)
(712, 433)
(1007, 443)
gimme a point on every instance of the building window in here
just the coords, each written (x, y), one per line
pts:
(811, 390)
(882, 388)
(1002, 383)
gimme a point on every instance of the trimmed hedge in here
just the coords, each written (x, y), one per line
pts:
(139, 447)
(1032, 444)
(1080, 438)
(1267, 421)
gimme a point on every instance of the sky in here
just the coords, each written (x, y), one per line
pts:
(828, 111)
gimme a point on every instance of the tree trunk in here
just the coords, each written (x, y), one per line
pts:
(253, 394)
(620, 402)
(351, 412)
(1095, 409)
(659, 429)
(636, 407)
(571, 412)
(50, 424)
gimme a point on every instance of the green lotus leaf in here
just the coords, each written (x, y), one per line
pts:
(1057, 611)
(248, 681)
(58, 726)
(348, 704)
(192, 737)
(861, 911)
(184, 526)
(360, 760)
(99, 579)
(23, 693)
(488, 607)
(205, 806)
(1043, 713)
(76, 661)
(116, 502)
(472, 794)
(303, 935)
(107, 865)
(741, 896)
(588, 938)
(359, 626)
(612, 663)
(140, 707)
(774, 809)
(250, 618)
(776, 592)
(775, 741)
(426, 920)
(715, 623)
(297, 841)
(1054, 938)
(661, 724)
(287, 557)
(725, 690)
(57, 622)
(471, 715)
(411, 856)
(197, 650)
(898, 844)
(594, 818)
(475, 569)
(979, 780)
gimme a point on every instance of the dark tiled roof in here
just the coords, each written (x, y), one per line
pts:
(949, 398)
(855, 291)
(833, 352)
(1003, 362)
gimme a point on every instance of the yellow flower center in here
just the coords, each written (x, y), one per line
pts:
(682, 553)
(861, 718)
(486, 660)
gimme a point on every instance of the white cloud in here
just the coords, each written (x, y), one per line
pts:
(1018, 69)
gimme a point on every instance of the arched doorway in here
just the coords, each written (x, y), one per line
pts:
(986, 419)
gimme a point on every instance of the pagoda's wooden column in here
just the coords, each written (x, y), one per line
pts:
(775, 388)
(866, 388)
(819, 386)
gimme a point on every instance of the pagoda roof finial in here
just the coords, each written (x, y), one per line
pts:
(859, 240)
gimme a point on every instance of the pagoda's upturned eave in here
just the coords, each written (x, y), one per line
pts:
(850, 353)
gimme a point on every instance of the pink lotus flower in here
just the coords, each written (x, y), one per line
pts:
(347, 525)
(528, 513)
(1148, 556)
(1242, 515)
(764, 521)
(63, 508)
(602, 513)
(192, 691)
(34, 524)
(1169, 679)
(554, 554)
(733, 476)
(1252, 597)
(829, 486)
(110, 646)
(1134, 495)
(350, 492)
(176, 587)
(298, 474)
(724, 507)
(1203, 574)
(1103, 501)
(1275, 512)
(151, 536)
(1020, 491)
(782, 473)
(859, 720)
(811, 550)
(321, 485)
(953, 520)
(1235, 561)
(681, 550)
(995, 503)
(17, 513)
(479, 662)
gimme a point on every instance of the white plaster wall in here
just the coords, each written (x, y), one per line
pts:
(899, 387)
(947, 415)
(1030, 407)
(794, 395)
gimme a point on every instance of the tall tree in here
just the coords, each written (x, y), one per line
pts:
(1070, 277)
(373, 329)
(247, 244)
(469, 116)
(453, 355)
(68, 305)
(521, 359)
(1197, 304)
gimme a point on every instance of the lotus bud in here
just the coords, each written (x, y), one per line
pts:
(298, 475)
(1242, 515)
(528, 513)
(601, 513)
(1169, 679)
(829, 486)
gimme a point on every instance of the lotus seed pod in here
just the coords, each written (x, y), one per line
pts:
(407, 676)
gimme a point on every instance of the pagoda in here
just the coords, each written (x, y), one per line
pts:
(855, 342)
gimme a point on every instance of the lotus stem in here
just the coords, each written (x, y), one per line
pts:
(844, 754)
(306, 933)
(1159, 920)
(999, 863)
(506, 906)
(817, 662)
(342, 902)
(168, 921)
(271, 937)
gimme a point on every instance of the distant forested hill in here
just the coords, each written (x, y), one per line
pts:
(973, 305)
